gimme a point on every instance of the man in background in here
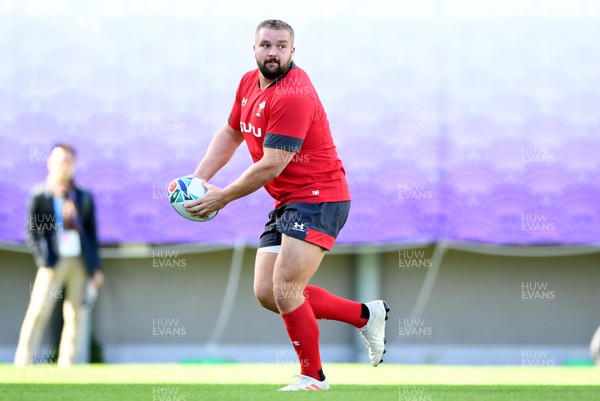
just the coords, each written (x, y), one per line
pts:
(62, 236)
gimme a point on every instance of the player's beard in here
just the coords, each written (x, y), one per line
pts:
(273, 73)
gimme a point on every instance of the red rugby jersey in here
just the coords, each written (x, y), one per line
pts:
(288, 115)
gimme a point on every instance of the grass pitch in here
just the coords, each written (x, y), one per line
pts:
(259, 382)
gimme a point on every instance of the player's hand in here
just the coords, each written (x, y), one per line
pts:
(212, 201)
(98, 279)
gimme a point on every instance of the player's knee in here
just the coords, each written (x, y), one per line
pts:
(265, 297)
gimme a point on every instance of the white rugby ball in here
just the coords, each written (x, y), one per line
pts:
(183, 190)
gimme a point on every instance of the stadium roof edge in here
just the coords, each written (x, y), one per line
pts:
(146, 250)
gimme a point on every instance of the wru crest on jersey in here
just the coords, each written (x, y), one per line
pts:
(248, 127)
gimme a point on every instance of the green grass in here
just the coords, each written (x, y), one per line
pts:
(258, 382)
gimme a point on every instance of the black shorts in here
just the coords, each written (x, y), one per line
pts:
(317, 223)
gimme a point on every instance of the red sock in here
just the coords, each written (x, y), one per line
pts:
(303, 331)
(325, 305)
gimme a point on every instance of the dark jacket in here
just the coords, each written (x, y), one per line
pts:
(41, 228)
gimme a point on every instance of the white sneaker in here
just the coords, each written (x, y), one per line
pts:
(306, 383)
(374, 332)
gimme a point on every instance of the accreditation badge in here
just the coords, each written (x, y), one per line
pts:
(69, 243)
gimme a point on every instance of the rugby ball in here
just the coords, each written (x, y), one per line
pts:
(184, 189)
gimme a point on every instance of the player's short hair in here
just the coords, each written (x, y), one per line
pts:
(276, 24)
(66, 147)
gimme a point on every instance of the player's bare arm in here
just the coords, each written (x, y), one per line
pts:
(256, 176)
(221, 149)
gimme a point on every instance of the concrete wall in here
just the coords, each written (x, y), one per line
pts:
(165, 309)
